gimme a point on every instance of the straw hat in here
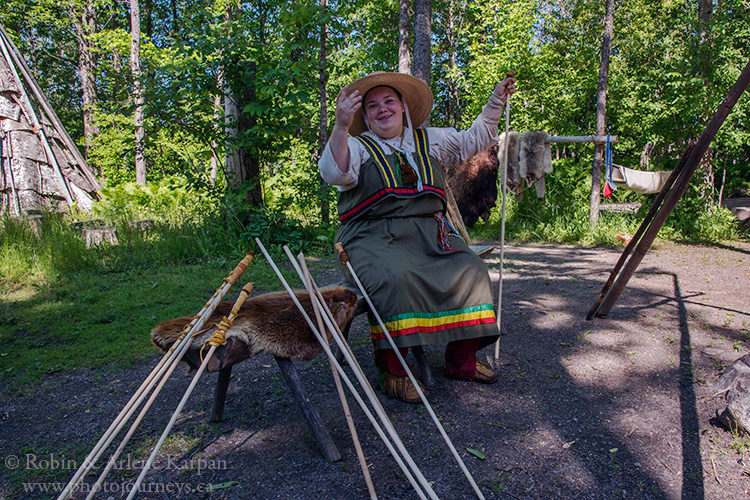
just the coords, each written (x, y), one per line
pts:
(413, 90)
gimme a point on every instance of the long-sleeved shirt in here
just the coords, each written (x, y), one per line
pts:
(448, 145)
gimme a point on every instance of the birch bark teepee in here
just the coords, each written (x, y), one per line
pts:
(40, 165)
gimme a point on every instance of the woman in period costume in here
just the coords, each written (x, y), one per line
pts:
(424, 281)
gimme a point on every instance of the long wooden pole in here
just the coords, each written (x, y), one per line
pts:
(680, 186)
(641, 229)
(216, 340)
(368, 392)
(499, 301)
(308, 282)
(173, 356)
(597, 139)
(422, 397)
(49, 110)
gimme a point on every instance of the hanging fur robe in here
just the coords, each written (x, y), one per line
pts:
(534, 159)
(269, 323)
(514, 183)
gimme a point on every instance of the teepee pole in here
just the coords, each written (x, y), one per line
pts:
(368, 392)
(318, 309)
(678, 190)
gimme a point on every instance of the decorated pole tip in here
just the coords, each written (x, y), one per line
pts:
(241, 267)
(342, 254)
(248, 288)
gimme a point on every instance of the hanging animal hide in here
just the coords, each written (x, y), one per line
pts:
(514, 183)
(535, 159)
(269, 323)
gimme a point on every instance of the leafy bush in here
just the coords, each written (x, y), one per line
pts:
(170, 200)
(275, 229)
(697, 220)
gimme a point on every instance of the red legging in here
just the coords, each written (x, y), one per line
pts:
(460, 359)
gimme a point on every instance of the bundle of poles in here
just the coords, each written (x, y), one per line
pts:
(389, 436)
(153, 384)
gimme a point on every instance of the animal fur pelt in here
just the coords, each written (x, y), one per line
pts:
(514, 183)
(268, 323)
(534, 158)
(474, 185)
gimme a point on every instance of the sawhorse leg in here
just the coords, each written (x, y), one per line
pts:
(220, 394)
(308, 410)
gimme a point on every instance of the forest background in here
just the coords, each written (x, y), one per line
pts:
(231, 100)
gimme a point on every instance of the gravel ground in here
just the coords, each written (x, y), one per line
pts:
(608, 408)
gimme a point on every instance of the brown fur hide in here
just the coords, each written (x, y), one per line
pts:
(514, 182)
(268, 323)
(534, 158)
(474, 185)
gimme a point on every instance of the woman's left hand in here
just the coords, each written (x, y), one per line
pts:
(507, 87)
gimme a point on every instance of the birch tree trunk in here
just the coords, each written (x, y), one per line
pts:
(138, 99)
(422, 40)
(422, 43)
(214, 145)
(454, 109)
(404, 20)
(324, 211)
(84, 23)
(232, 165)
(601, 107)
(232, 157)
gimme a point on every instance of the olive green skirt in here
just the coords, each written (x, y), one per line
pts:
(425, 283)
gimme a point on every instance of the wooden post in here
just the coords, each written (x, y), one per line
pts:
(423, 365)
(220, 394)
(601, 106)
(680, 186)
(100, 234)
(312, 417)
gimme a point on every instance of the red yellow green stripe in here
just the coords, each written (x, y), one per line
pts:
(419, 322)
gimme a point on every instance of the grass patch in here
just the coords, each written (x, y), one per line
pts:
(64, 306)
(92, 320)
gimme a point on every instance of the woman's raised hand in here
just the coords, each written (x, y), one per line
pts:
(507, 87)
(346, 105)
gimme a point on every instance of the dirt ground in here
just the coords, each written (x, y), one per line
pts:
(614, 407)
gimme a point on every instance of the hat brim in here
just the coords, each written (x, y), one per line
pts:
(413, 90)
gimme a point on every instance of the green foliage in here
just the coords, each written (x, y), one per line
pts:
(668, 74)
(28, 259)
(274, 229)
(171, 200)
(698, 221)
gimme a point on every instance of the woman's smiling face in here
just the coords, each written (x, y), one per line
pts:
(384, 111)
